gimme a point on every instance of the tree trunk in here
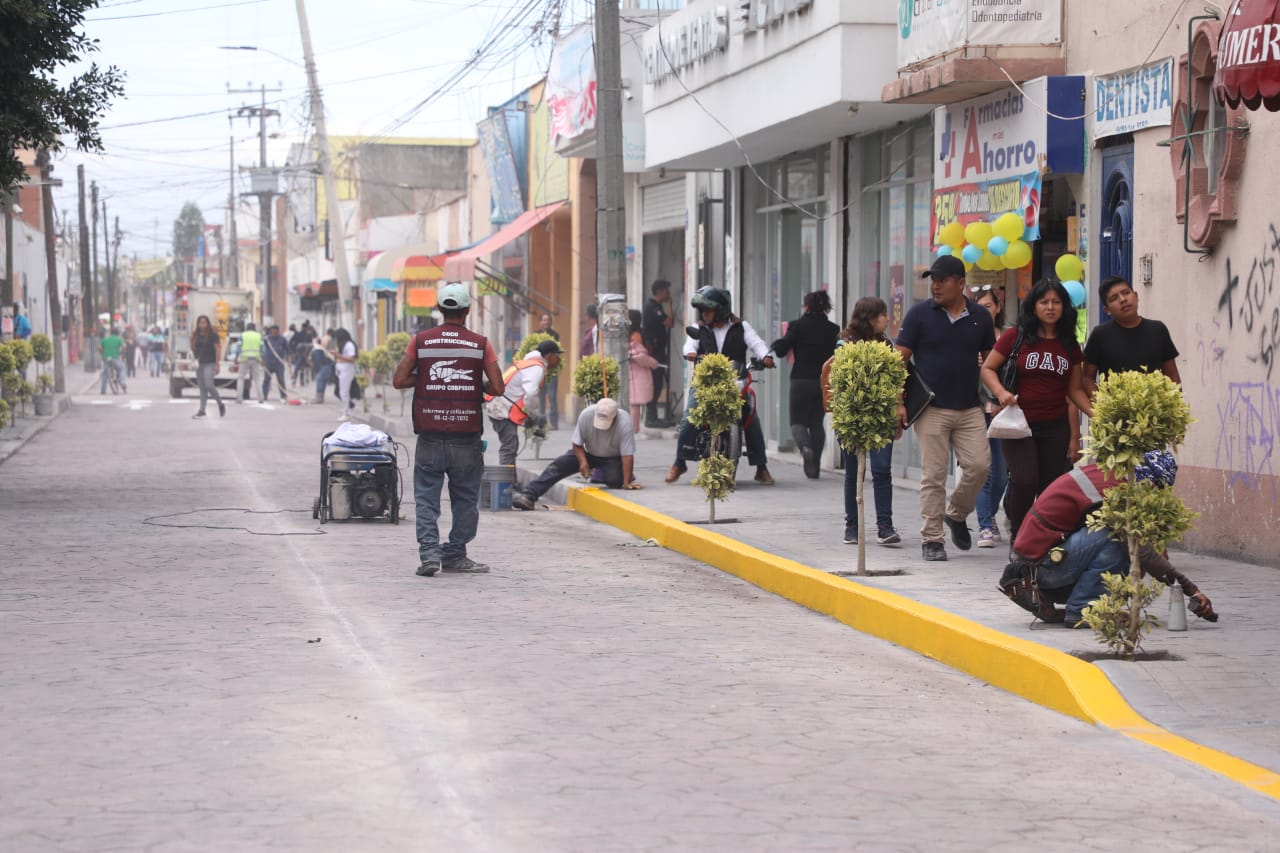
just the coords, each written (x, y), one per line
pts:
(861, 456)
(715, 451)
(1135, 600)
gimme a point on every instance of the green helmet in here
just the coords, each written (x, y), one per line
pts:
(714, 298)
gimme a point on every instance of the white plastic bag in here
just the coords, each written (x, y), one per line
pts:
(1009, 423)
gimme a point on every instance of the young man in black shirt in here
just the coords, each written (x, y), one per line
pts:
(1130, 341)
(655, 328)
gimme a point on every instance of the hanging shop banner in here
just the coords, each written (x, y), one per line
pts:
(929, 28)
(571, 85)
(504, 139)
(1133, 100)
(983, 201)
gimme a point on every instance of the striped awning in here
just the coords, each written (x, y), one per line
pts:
(418, 268)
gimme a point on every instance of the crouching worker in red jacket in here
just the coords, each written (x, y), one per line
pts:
(1058, 560)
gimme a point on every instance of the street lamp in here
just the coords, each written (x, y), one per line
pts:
(257, 49)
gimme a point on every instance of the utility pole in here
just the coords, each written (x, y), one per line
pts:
(115, 259)
(86, 284)
(93, 200)
(264, 187)
(337, 229)
(51, 263)
(6, 288)
(234, 272)
(106, 269)
(611, 222)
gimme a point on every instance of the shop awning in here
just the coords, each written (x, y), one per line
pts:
(1249, 56)
(462, 266)
(419, 268)
(327, 289)
(381, 284)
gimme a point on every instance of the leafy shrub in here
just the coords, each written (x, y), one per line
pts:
(866, 379)
(718, 408)
(41, 348)
(1110, 616)
(396, 344)
(4, 413)
(44, 383)
(1133, 413)
(8, 364)
(21, 351)
(588, 381)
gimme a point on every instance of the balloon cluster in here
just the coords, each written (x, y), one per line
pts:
(1070, 270)
(989, 246)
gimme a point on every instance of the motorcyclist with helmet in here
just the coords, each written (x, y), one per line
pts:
(719, 331)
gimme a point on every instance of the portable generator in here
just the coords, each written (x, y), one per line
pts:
(358, 482)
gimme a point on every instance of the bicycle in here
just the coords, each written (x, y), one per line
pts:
(113, 376)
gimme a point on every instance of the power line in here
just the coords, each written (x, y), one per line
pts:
(174, 11)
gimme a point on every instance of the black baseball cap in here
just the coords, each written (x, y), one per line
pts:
(945, 267)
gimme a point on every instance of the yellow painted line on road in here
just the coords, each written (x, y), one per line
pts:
(1043, 675)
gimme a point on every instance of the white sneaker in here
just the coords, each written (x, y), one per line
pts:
(987, 538)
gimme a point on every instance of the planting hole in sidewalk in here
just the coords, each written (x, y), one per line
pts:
(1141, 657)
(713, 523)
(871, 573)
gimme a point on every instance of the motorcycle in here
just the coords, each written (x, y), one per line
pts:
(733, 441)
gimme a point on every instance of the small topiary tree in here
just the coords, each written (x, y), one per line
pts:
(595, 378)
(866, 380)
(396, 343)
(383, 365)
(530, 343)
(8, 371)
(42, 352)
(719, 406)
(1134, 413)
(4, 413)
(21, 351)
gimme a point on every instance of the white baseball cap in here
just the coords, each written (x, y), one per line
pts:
(606, 412)
(453, 297)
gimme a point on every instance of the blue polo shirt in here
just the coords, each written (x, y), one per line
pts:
(946, 352)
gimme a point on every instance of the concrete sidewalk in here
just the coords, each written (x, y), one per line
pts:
(1220, 686)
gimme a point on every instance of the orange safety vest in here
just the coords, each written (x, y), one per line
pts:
(518, 415)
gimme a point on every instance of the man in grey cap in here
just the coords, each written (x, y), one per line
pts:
(449, 368)
(604, 440)
(945, 338)
(519, 404)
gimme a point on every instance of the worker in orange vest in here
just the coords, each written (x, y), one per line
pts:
(519, 404)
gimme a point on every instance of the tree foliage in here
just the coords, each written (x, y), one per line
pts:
(187, 230)
(595, 378)
(866, 379)
(1133, 413)
(396, 344)
(719, 406)
(38, 40)
(530, 343)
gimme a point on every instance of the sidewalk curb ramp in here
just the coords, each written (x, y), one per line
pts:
(1043, 675)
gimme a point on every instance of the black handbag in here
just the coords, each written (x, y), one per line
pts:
(1008, 372)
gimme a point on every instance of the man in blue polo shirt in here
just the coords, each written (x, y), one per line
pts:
(948, 336)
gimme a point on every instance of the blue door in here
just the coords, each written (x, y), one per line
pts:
(1116, 237)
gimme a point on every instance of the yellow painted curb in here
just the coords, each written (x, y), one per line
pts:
(1043, 675)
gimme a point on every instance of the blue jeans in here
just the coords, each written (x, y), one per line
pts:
(753, 436)
(881, 464)
(208, 388)
(324, 373)
(1090, 555)
(156, 360)
(106, 369)
(462, 461)
(275, 369)
(993, 490)
(566, 464)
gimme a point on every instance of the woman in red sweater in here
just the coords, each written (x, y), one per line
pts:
(1049, 373)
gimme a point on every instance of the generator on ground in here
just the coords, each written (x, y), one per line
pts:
(358, 481)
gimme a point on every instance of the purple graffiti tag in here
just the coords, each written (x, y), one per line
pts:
(1247, 425)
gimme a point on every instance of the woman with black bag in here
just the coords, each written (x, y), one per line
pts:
(1046, 358)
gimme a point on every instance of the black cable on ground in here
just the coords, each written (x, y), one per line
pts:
(152, 521)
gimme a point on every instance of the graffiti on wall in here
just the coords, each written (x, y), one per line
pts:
(1249, 297)
(1247, 425)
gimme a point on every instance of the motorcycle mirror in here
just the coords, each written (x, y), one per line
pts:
(691, 331)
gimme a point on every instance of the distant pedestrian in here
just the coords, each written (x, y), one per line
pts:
(549, 396)
(591, 338)
(943, 337)
(1130, 341)
(131, 352)
(21, 325)
(658, 319)
(275, 355)
(345, 352)
(1048, 371)
(206, 346)
(518, 402)
(868, 322)
(812, 339)
(992, 493)
(603, 446)
(155, 351)
(112, 345)
(249, 358)
(449, 367)
(640, 368)
(322, 363)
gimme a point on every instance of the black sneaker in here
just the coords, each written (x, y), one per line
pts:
(934, 552)
(198, 415)
(888, 536)
(811, 465)
(522, 501)
(428, 568)
(851, 535)
(959, 533)
(464, 566)
(222, 409)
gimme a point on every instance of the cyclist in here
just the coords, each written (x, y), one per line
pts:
(111, 346)
(721, 332)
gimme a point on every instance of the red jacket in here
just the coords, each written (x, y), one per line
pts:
(1061, 509)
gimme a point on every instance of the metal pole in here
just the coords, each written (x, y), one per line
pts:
(264, 217)
(231, 207)
(106, 269)
(6, 288)
(93, 234)
(337, 229)
(51, 262)
(89, 311)
(611, 241)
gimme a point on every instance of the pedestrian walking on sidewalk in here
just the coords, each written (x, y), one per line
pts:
(812, 339)
(641, 368)
(603, 450)
(991, 495)
(275, 354)
(155, 351)
(868, 323)
(322, 363)
(943, 337)
(345, 352)
(518, 402)
(1048, 369)
(450, 368)
(250, 360)
(1130, 341)
(206, 345)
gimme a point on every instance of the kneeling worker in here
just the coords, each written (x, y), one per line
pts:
(604, 438)
(519, 403)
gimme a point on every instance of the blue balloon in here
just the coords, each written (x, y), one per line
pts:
(1076, 291)
(944, 251)
(971, 253)
(997, 246)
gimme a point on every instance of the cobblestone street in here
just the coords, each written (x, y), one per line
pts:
(192, 686)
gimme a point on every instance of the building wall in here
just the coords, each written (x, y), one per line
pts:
(1222, 309)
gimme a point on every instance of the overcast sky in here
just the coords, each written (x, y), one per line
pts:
(170, 51)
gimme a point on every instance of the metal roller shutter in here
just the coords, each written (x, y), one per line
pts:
(664, 207)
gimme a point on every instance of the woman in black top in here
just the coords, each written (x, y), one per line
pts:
(206, 346)
(812, 339)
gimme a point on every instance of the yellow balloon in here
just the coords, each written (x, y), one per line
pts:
(1009, 226)
(952, 235)
(978, 233)
(1018, 255)
(968, 267)
(990, 262)
(1069, 268)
